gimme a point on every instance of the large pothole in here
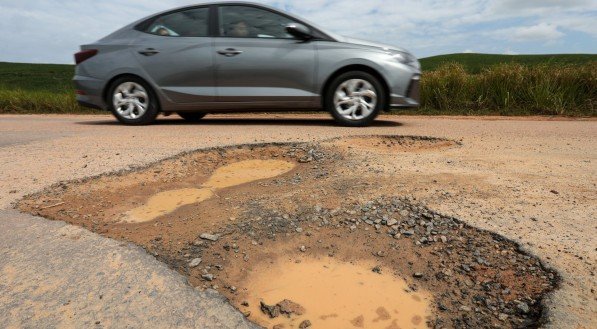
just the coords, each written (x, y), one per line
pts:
(394, 144)
(268, 223)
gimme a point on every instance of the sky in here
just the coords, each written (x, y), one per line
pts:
(51, 31)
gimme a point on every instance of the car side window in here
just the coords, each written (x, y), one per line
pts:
(251, 22)
(187, 23)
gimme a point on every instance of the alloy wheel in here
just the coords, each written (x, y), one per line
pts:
(130, 100)
(355, 99)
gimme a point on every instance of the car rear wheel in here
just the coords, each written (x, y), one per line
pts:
(132, 101)
(355, 99)
(191, 116)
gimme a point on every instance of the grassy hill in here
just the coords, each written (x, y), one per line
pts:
(42, 77)
(474, 63)
(38, 88)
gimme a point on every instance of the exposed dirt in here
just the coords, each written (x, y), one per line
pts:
(394, 144)
(328, 206)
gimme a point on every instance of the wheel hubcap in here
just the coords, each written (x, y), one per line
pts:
(355, 99)
(130, 100)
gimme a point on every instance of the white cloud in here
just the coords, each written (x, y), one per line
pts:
(575, 15)
(542, 32)
(518, 7)
(583, 22)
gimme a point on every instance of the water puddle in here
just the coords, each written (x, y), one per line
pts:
(242, 172)
(227, 176)
(336, 295)
(166, 202)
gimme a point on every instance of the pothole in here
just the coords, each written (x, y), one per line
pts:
(236, 173)
(166, 202)
(333, 294)
(262, 222)
(394, 144)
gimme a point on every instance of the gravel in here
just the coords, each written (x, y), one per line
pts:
(195, 262)
(458, 245)
(210, 237)
(208, 277)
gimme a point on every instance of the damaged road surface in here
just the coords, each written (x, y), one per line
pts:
(311, 235)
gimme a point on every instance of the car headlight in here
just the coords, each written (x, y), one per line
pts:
(401, 57)
(406, 58)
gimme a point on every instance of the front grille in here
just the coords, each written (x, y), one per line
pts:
(414, 91)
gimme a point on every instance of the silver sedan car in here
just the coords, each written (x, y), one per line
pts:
(238, 56)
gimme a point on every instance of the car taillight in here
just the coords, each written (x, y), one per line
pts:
(84, 55)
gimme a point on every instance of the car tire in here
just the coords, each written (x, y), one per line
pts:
(132, 101)
(191, 116)
(355, 99)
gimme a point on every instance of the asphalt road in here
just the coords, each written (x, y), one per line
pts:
(536, 185)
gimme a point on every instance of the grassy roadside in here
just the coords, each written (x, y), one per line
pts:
(38, 88)
(458, 84)
(475, 63)
(40, 102)
(512, 89)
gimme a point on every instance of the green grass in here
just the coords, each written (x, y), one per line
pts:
(36, 77)
(38, 88)
(457, 84)
(475, 63)
(511, 89)
(39, 102)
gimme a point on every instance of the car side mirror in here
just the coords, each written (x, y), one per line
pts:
(299, 31)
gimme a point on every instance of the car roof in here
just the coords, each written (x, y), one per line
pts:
(212, 3)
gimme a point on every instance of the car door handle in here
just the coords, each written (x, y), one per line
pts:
(149, 52)
(230, 52)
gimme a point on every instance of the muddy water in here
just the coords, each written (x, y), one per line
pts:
(336, 295)
(230, 175)
(247, 171)
(166, 202)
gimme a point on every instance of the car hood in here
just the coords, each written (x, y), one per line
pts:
(370, 44)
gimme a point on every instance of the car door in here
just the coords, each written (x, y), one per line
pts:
(176, 51)
(258, 62)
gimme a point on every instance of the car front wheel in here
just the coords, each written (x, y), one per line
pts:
(132, 101)
(355, 99)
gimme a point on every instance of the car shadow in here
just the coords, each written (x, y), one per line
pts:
(240, 121)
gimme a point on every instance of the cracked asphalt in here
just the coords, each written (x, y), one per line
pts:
(532, 180)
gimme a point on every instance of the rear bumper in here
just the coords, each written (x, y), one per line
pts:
(89, 92)
(412, 97)
(90, 102)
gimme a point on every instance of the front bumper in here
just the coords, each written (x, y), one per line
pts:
(412, 98)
